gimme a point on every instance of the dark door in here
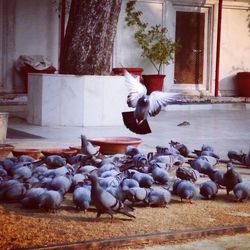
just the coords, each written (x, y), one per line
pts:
(189, 58)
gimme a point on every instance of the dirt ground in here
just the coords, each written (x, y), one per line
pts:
(22, 228)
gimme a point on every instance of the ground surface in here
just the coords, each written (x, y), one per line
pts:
(29, 228)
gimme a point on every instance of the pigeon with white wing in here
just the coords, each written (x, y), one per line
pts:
(145, 105)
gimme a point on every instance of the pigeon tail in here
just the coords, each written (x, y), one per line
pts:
(130, 123)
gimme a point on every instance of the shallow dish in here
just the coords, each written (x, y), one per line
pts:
(35, 153)
(114, 145)
(5, 150)
(78, 148)
(58, 151)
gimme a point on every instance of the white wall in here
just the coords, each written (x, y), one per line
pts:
(235, 45)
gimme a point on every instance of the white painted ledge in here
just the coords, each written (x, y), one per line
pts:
(69, 100)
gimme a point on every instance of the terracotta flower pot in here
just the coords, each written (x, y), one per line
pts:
(35, 153)
(153, 82)
(243, 83)
(134, 71)
(114, 145)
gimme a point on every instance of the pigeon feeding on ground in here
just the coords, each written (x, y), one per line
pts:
(145, 105)
(105, 202)
(208, 189)
(231, 177)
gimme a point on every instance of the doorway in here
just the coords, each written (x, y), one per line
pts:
(191, 66)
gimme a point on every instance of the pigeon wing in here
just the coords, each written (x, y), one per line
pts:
(135, 87)
(158, 99)
(130, 123)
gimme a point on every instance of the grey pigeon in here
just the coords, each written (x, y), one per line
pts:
(183, 149)
(12, 191)
(231, 177)
(145, 105)
(131, 150)
(159, 197)
(167, 151)
(119, 193)
(186, 190)
(22, 173)
(82, 198)
(188, 174)
(201, 165)
(105, 202)
(242, 190)
(246, 159)
(128, 183)
(235, 155)
(175, 185)
(55, 161)
(61, 183)
(208, 189)
(32, 198)
(217, 176)
(138, 194)
(50, 200)
(87, 147)
(144, 180)
(160, 175)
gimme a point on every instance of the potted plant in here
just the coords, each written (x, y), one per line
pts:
(154, 43)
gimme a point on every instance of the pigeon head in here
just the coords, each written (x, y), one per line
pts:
(143, 101)
(229, 165)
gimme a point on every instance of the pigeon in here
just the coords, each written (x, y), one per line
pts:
(208, 189)
(138, 195)
(32, 197)
(235, 155)
(217, 176)
(160, 175)
(242, 190)
(105, 202)
(231, 177)
(61, 184)
(145, 180)
(129, 183)
(183, 149)
(131, 150)
(158, 197)
(201, 165)
(87, 147)
(81, 198)
(246, 159)
(50, 200)
(55, 161)
(186, 190)
(145, 105)
(12, 191)
(188, 174)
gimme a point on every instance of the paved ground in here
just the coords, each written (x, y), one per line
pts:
(222, 129)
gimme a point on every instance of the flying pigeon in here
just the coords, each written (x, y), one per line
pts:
(145, 105)
(105, 202)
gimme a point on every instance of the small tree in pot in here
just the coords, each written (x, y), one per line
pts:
(153, 41)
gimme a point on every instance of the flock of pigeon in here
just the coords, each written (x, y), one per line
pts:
(117, 183)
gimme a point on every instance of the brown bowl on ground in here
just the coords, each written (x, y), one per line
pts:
(5, 150)
(58, 151)
(114, 145)
(35, 153)
(78, 148)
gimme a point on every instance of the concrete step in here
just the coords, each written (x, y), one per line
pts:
(15, 104)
